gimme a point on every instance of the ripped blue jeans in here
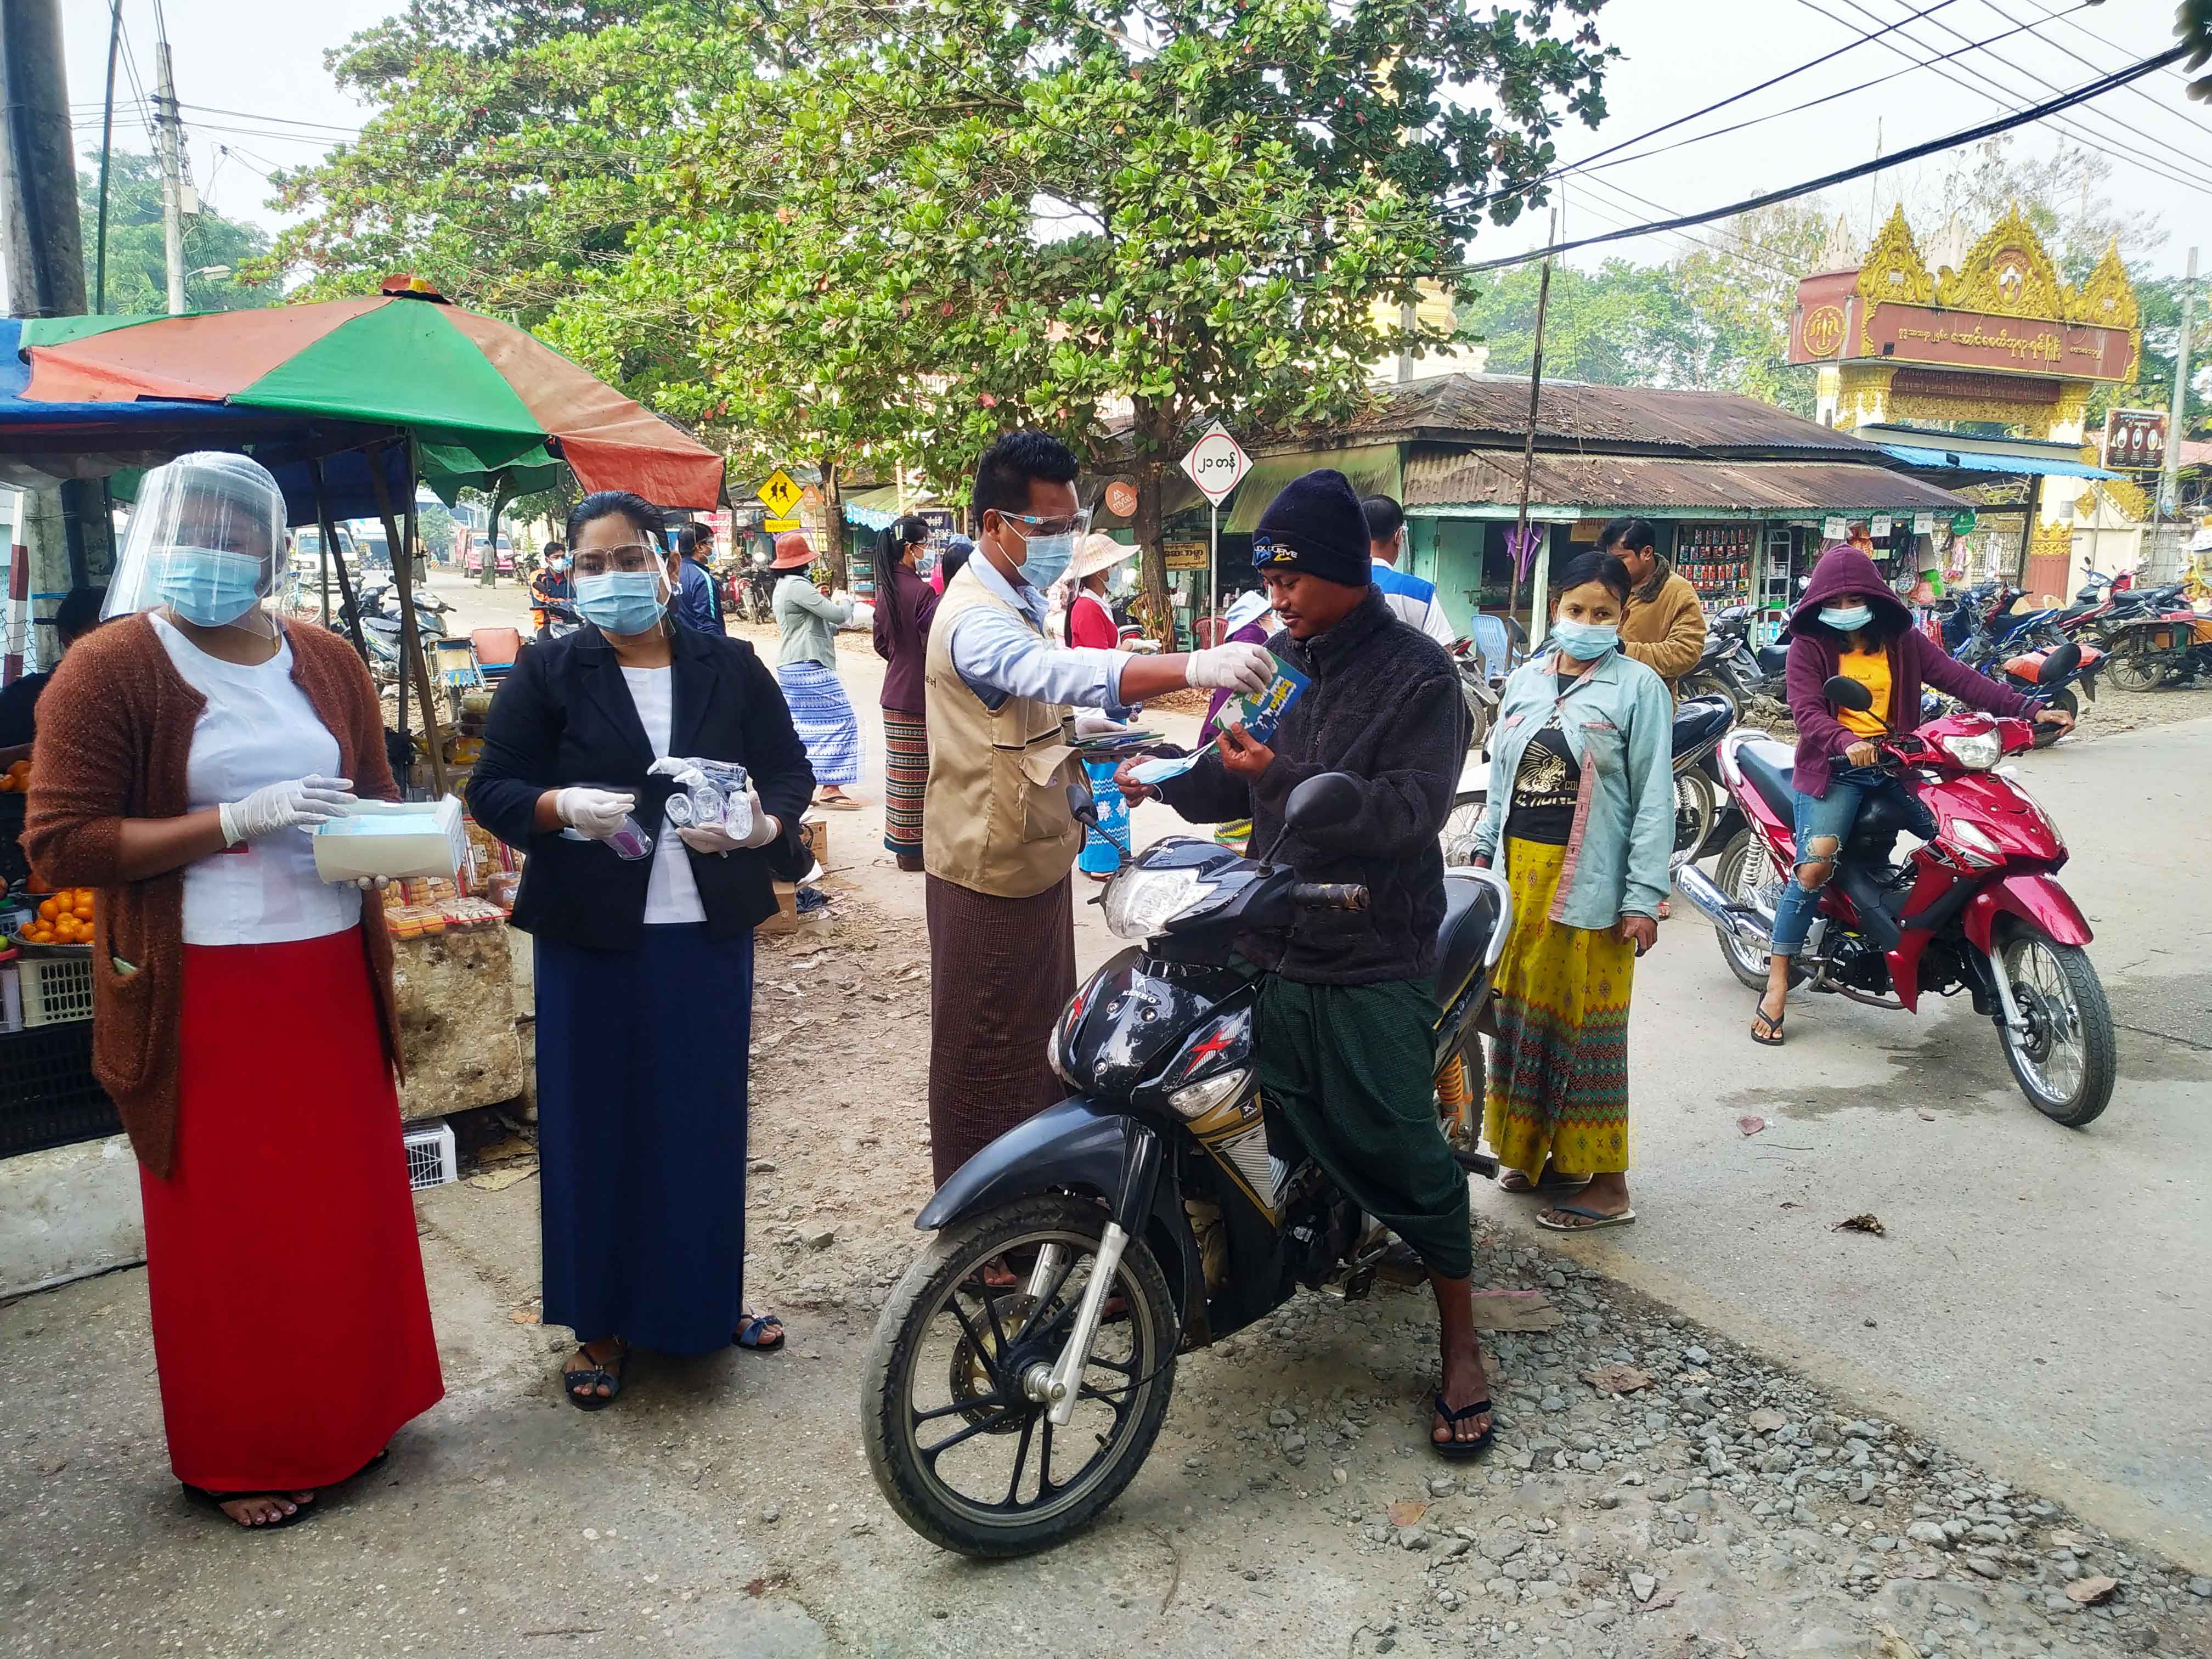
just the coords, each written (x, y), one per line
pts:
(1830, 817)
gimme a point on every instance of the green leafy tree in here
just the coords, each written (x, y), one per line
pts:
(137, 260)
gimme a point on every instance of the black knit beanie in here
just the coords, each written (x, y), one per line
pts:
(1316, 525)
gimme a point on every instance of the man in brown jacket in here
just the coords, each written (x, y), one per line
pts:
(1665, 626)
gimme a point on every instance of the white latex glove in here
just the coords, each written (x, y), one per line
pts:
(1236, 667)
(297, 804)
(712, 838)
(595, 814)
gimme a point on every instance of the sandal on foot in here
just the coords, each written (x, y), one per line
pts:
(1773, 1038)
(1456, 1450)
(1514, 1180)
(216, 1500)
(591, 1375)
(762, 1333)
(1592, 1221)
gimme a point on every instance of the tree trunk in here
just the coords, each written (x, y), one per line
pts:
(833, 525)
(1153, 566)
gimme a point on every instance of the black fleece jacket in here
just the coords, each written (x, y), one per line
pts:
(1384, 706)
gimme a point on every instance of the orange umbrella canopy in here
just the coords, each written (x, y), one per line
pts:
(480, 395)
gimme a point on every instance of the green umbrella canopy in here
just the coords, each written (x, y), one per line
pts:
(483, 398)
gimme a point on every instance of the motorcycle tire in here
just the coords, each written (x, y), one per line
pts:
(1697, 809)
(1742, 869)
(2134, 670)
(905, 1351)
(1458, 833)
(1702, 684)
(2061, 1001)
(2064, 698)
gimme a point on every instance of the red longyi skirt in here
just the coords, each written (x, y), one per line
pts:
(291, 1326)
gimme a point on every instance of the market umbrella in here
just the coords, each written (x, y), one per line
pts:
(481, 398)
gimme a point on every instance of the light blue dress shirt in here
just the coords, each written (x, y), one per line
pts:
(999, 656)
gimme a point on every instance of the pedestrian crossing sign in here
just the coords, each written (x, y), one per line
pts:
(780, 494)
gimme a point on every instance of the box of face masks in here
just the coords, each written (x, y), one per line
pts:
(392, 838)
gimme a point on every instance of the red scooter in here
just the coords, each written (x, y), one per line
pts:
(1977, 906)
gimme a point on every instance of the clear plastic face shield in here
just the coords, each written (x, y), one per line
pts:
(206, 540)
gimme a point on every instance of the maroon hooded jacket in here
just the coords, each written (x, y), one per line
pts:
(1913, 657)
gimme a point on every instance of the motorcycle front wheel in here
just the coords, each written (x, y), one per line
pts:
(2066, 1061)
(1458, 837)
(2134, 671)
(957, 1446)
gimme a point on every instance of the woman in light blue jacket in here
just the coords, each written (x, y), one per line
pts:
(1581, 817)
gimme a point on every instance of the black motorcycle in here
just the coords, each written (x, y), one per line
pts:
(1021, 1367)
(1728, 667)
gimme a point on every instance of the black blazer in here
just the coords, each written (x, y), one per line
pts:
(563, 716)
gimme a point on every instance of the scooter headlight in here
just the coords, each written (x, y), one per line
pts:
(1976, 847)
(1977, 751)
(1139, 903)
(1195, 1100)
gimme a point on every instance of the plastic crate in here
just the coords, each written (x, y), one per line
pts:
(56, 990)
(48, 1097)
(432, 1158)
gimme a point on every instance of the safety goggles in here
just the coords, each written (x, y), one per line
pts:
(629, 558)
(1075, 524)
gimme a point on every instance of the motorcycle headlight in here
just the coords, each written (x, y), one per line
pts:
(1977, 751)
(1975, 844)
(1197, 1099)
(1139, 903)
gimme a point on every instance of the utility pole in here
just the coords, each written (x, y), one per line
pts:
(67, 530)
(172, 177)
(2169, 480)
(1519, 551)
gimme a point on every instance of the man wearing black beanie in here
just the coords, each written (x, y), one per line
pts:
(1347, 1016)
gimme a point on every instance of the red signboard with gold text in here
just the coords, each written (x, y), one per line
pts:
(1832, 325)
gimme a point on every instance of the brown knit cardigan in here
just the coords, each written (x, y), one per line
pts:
(115, 733)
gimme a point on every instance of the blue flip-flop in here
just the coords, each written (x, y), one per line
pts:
(762, 1333)
(1598, 1220)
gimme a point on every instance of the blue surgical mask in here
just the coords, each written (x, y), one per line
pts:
(210, 587)
(620, 601)
(1848, 618)
(1046, 558)
(1585, 641)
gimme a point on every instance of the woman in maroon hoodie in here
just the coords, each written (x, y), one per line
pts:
(1850, 623)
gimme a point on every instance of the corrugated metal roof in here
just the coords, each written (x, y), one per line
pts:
(1449, 406)
(1605, 482)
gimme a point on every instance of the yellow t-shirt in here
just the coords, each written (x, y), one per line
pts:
(1871, 670)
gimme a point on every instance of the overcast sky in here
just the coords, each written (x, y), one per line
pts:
(263, 59)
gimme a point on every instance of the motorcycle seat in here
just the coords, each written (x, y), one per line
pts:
(1774, 660)
(1770, 766)
(1471, 918)
(1699, 720)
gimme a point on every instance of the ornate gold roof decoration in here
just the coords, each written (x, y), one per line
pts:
(1893, 272)
(2007, 274)
(2108, 298)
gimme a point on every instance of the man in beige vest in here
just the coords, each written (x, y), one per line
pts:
(998, 838)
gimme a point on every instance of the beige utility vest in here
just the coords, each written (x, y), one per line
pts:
(995, 816)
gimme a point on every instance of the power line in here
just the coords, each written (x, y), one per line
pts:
(2086, 140)
(2133, 92)
(275, 120)
(1969, 136)
(1584, 170)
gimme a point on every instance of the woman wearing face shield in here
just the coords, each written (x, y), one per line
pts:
(243, 1015)
(644, 965)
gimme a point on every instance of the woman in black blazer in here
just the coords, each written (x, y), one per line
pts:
(644, 966)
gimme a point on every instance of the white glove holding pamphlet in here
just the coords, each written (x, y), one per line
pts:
(1238, 667)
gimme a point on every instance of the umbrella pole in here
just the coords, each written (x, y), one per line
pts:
(410, 642)
(345, 582)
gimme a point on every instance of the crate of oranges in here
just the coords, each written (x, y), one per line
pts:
(62, 921)
(16, 779)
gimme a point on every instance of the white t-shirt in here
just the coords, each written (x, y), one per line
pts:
(671, 894)
(257, 728)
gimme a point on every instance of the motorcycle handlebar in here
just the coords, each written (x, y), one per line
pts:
(1330, 896)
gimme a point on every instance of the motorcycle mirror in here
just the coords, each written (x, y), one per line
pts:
(1321, 802)
(2061, 663)
(1847, 693)
(1083, 803)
